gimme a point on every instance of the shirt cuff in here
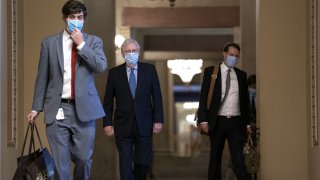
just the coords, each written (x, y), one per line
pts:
(34, 111)
(204, 123)
(80, 46)
(248, 126)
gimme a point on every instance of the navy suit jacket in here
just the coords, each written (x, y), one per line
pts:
(210, 115)
(146, 107)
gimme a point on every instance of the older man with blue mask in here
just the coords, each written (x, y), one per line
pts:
(133, 93)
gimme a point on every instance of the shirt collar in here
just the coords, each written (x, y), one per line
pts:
(135, 68)
(224, 68)
(65, 35)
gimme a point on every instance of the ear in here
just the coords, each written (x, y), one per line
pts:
(64, 19)
(122, 54)
(224, 54)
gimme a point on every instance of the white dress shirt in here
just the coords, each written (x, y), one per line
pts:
(67, 50)
(231, 105)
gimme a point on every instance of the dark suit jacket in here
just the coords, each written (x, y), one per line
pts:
(49, 83)
(210, 115)
(146, 107)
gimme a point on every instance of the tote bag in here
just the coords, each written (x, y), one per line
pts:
(37, 164)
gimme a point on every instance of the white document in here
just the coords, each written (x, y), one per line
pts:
(60, 114)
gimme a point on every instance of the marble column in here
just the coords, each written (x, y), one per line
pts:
(248, 35)
(101, 22)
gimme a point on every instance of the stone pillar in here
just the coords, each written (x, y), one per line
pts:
(248, 35)
(161, 143)
(282, 90)
(101, 22)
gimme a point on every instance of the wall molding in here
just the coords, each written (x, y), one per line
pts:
(314, 73)
(12, 74)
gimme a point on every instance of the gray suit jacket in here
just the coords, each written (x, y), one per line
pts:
(49, 83)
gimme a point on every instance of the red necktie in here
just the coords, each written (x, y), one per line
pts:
(73, 67)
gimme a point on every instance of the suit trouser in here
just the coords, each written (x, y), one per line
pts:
(71, 139)
(134, 149)
(232, 130)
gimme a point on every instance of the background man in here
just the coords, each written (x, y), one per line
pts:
(135, 88)
(66, 92)
(228, 115)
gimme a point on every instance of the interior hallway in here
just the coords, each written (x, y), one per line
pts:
(279, 44)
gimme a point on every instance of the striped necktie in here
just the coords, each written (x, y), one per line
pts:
(132, 82)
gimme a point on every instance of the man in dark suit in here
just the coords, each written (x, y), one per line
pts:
(135, 88)
(66, 92)
(228, 114)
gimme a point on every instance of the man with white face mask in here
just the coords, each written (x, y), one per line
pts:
(227, 117)
(66, 92)
(134, 87)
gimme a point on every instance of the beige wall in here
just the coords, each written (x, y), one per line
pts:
(282, 88)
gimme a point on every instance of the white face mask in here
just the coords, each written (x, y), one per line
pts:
(231, 61)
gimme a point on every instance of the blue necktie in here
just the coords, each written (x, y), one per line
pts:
(132, 82)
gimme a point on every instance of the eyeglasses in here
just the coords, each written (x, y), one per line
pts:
(131, 51)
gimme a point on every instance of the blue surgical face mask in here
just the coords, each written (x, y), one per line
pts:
(72, 24)
(131, 58)
(231, 61)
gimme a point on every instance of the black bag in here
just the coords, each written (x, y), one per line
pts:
(37, 164)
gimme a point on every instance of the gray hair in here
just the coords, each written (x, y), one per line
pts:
(129, 41)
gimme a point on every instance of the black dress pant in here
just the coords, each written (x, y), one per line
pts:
(135, 154)
(232, 130)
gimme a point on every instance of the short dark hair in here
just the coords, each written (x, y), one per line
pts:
(73, 7)
(231, 44)
(252, 79)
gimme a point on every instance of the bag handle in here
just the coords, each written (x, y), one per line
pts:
(212, 83)
(32, 142)
(25, 140)
(249, 140)
(40, 142)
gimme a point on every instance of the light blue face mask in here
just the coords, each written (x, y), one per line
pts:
(231, 61)
(131, 58)
(72, 24)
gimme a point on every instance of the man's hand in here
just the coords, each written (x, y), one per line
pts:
(249, 130)
(32, 116)
(157, 127)
(204, 127)
(108, 130)
(76, 37)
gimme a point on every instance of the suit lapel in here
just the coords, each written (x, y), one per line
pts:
(124, 77)
(218, 84)
(239, 77)
(60, 51)
(139, 78)
(85, 36)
